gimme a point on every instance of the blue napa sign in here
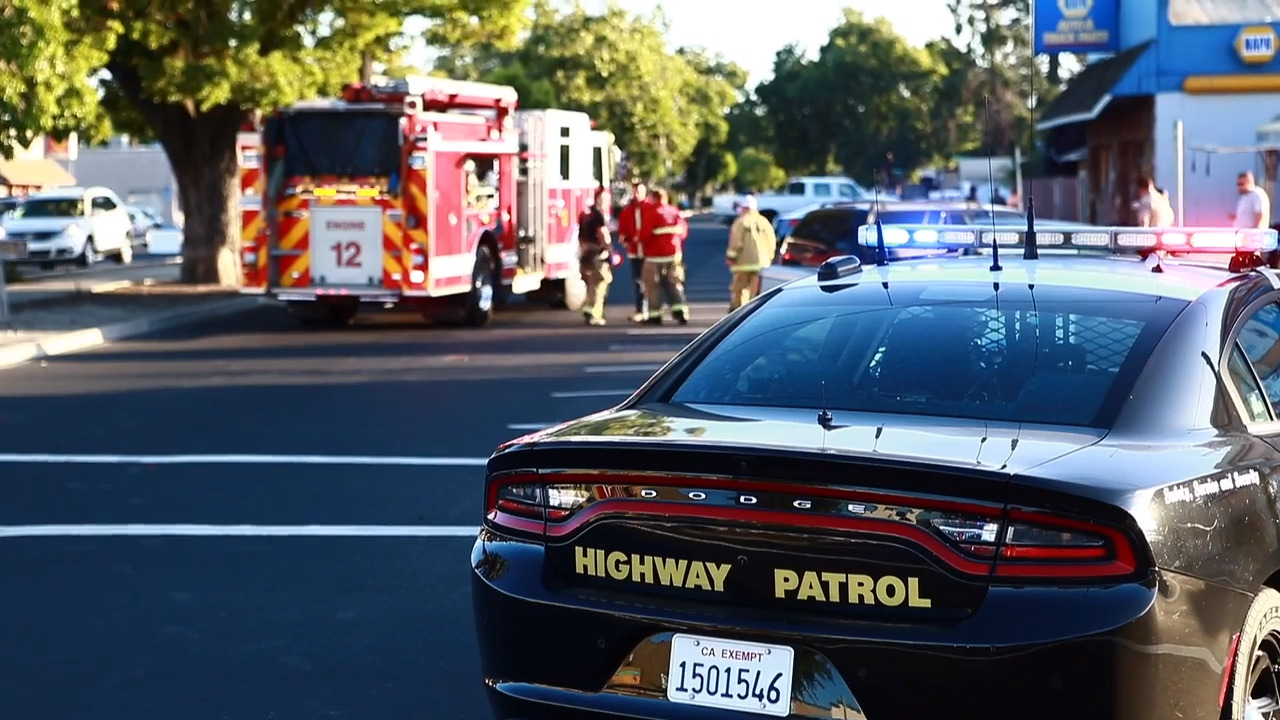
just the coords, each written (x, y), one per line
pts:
(1077, 26)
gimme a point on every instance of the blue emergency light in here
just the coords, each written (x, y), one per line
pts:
(1107, 240)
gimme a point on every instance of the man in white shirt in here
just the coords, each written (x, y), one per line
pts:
(1254, 208)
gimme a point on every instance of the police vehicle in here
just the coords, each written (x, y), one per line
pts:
(1035, 480)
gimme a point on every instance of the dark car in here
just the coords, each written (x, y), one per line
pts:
(833, 231)
(926, 489)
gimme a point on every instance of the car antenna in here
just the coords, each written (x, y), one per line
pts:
(882, 255)
(825, 418)
(1030, 248)
(991, 188)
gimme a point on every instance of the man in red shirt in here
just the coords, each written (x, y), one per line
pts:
(662, 241)
(632, 220)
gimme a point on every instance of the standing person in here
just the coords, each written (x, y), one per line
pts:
(752, 244)
(663, 244)
(1152, 206)
(594, 251)
(631, 224)
(1253, 210)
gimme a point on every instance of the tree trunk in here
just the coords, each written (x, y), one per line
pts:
(366, 67)
(202, 153)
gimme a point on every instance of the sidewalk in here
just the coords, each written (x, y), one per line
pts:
(58, 316)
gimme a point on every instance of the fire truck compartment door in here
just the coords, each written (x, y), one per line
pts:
(346, 245)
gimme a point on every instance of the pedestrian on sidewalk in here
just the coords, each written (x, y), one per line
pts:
(752, 243)
(1254, 207)
(663, 245)
(632, 220)
(1152, 206)
(595, 249)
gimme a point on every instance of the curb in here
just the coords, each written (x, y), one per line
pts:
(89, 338)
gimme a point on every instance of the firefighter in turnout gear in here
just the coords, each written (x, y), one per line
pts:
(595, 251)
(752, 244)
(662, 242)
(632, 220)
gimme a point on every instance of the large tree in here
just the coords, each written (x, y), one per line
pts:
(191, 75)
(714, 88)
(614, 65)
(868, 96)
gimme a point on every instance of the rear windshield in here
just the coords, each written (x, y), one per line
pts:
(344, 144)
(908, 217)
(50, 208)
(1052, 355)
(830, 227)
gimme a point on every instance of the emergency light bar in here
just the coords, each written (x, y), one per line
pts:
(1110, 240)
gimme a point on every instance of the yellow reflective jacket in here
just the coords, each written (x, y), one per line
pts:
(752, 243)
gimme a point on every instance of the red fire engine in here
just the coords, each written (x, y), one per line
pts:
(426, 193)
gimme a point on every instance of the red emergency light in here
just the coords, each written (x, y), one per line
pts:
(1113, 240)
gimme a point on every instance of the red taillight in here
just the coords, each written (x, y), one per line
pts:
(1038, 545)
(971, 537)
(519, 501)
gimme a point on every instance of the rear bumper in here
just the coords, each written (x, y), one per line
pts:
(379, 296)
(1127, 652)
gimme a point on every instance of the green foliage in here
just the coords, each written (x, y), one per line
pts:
(666, 109)
(535, 92)
(44, 71)
(713, 89)
(757, 171)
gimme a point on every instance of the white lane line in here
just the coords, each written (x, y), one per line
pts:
(621, 368)
(32, 458)
(529, 426)
(667, 331)
(18, 531)
(641, 347)
(590, 393)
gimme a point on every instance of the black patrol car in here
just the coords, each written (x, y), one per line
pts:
(1031, 483)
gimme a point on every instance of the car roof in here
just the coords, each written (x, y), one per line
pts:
(886, 205)
(70, 192)
(1183, 280)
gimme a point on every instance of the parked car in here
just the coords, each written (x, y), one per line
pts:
(830, 231)
(143, 221)
(164, 239)
(798, 192)
(72, 225)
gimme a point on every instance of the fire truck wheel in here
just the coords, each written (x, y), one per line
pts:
(480, 299)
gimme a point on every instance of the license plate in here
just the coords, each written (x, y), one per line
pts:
(730, 675)
(13, 249)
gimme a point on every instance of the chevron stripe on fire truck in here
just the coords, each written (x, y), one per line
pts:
(415, 206)
(295, 233)
(294, 260)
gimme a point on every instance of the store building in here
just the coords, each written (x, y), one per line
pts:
(1183, 89)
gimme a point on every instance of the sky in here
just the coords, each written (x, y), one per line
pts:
(751, 38)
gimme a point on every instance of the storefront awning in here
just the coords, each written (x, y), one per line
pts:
(1089, 93)
(41, 173)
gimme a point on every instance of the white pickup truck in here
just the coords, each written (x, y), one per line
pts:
(798, 191)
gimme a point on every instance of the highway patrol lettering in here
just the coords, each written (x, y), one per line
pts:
(651, 569)
(849, 587)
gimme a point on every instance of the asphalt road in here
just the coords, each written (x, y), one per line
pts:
(217, 601)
